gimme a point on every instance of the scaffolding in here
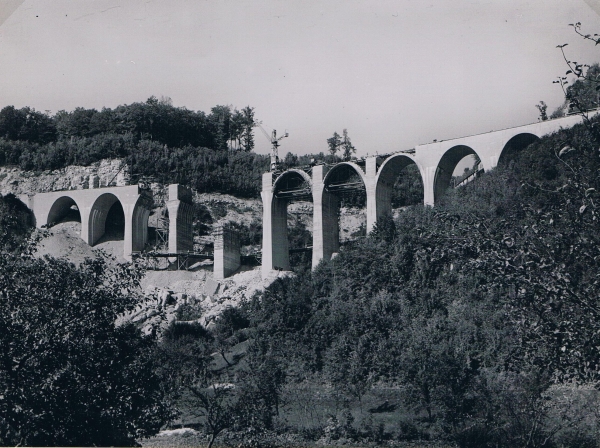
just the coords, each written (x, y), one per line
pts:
(344, 180)
(293, 188)
(162, 235)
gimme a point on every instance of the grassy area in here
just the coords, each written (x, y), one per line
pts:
(186, 437)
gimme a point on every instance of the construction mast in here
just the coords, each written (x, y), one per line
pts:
(274, 145)
(274, 149)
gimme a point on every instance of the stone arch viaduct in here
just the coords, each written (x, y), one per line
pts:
(322, 184)
(94, 204)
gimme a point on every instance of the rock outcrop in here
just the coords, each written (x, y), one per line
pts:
(106, 172)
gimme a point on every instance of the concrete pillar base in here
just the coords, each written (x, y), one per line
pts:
(227, 252)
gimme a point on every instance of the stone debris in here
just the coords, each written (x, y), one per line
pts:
(159, 309)
(211, 287)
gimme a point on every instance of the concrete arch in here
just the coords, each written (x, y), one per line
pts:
(436, 162)
(139, 225)
(446, 166)
(291, 184)
(379, 197)
(515, 144)
(97, 217)
(94, 205)
(290, 175)
(60, 207)
(394, 164)
(330, 176)
(326, 228)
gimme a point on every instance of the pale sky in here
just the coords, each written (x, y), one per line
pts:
(395, 73)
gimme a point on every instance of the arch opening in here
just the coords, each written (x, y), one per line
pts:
(64, 209)
(139, 224)
(402, 175)
(346, 198)
(514, 146)
(292, 197)
(457, 167)
(114, 227)
(344, 179)
(399, 184)
(292, 186)
(102, 208)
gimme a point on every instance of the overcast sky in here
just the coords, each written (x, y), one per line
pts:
(395, 73)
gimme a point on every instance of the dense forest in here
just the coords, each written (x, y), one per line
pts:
(209, 152)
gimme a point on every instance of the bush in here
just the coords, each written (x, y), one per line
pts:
(68, 375)
(179, 330)
(16, 223)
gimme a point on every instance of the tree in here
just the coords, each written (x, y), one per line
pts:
(334, 143)
(542, 107)
(190, 379)
(235, 130)
(247, 129)
(11, 122)
(583, 94)
(220, 120)
(552, 262)
(76, 123)
(68, 375)
(217, 405)
(26, 124)
(347, 147)
(349, 365)
(15, 223)
(201, 382)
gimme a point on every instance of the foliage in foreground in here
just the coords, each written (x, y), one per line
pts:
(68, 375)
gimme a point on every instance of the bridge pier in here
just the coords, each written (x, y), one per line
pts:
(373, 211)
(326, 232)
(275, 243)
(227, 252)
(181, 217)
(138, 214)
(429, 175)
(379, 192)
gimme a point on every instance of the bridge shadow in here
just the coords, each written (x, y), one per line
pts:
(114, 235)
(72, 215)
(114, 226)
